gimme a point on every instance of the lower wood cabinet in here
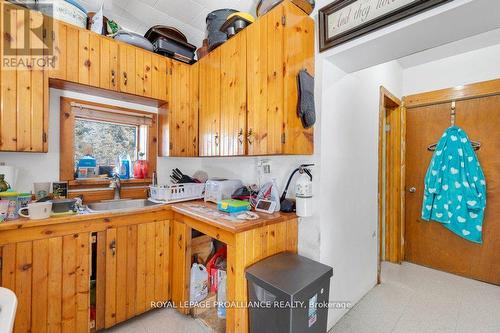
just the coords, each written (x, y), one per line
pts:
(135, 261)
(53, 277)
(51, 280)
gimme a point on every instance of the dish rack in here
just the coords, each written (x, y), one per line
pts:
(176, 192)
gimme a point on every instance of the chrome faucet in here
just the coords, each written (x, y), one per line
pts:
(115, 183)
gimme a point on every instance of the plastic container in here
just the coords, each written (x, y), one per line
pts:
(221, 294)
(177, 192)
(198, 288)
(124, 169)
(12, 206)
(69, 11)
(233, 206)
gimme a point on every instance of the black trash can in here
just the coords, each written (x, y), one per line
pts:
(288, 293)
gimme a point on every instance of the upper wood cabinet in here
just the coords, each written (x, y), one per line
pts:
(233, 82)
(108, 73)
(23, 89)
(178, 120)
(248, 88)
(210, 103)
(279, 44)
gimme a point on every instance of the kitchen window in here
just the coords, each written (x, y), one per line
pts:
(104, 134)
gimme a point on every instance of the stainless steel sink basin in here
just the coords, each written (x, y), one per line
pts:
(122, 204)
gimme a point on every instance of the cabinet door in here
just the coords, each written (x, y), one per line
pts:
(137, 269)
(56, 31)
(179, 109)
(299, 30)
(147, 74)
(72, 53)
(54, 271)
(181, 263)
(139, 72)
(159, 77)
(127, 68)
(108, 64)
(233, 96)
(257, 88)
(210, 104)
(23, 125)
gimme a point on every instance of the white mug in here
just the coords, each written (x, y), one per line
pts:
(37, 210)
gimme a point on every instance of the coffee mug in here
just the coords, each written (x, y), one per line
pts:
(4, 209)
(37, 210)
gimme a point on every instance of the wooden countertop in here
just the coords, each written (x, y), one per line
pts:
(207, 212)
(198, 210)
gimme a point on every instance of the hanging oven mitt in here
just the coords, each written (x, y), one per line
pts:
(305, 108)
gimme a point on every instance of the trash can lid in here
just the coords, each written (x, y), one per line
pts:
(288, 272)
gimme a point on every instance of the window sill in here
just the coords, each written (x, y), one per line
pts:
(106, 181)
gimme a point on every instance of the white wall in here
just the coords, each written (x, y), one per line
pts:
(36, 167)
(474, 66)
(349, 177)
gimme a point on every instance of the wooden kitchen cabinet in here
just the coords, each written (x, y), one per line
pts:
(280, 44)
(127, 65)
(108, 73)
(210, 103)
(233, 82)
(23, 89)
(51, 279)
(137, 270)
(182, 111)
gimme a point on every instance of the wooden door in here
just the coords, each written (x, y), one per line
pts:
(137, 269)
(429, 243)
(127, 65)
(298, 30)
(51, 279)
(233, 96)
(23, 125)
(210, 104)
(108, 64)
(88, 58)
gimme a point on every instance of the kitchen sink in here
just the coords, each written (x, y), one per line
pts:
(122, 204)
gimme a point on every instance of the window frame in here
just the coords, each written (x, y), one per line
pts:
(67, 139)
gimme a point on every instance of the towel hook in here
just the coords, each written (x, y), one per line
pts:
(453, 112)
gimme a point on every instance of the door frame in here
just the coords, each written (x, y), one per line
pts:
(391, 156)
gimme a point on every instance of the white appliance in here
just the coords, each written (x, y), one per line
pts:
(10, 173)
(303, 195)
(220, 189)
(8, 306)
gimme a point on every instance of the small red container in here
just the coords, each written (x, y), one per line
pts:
(141, 169)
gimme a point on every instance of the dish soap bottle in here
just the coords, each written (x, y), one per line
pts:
(124, 171)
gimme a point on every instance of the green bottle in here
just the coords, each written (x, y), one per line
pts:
(4, 186)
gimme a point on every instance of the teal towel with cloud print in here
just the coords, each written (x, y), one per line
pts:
(455, 187)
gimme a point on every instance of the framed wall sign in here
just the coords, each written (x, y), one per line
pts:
(343, 20)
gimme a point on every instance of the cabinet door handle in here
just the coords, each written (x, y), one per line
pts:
(125, 78)
(112, 247)
(249, 136)
(216, 138)
(113, 77)
(240, 136)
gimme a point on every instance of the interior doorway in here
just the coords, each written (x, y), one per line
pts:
(475, 108)
(391, 177)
